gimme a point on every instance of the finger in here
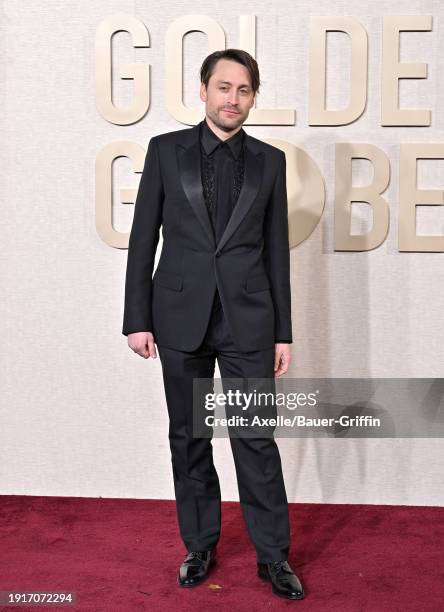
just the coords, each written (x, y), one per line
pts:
(277, 359)
(152, 349)
(280, 371)
(144, 352)
(283, 365)
(141, 351)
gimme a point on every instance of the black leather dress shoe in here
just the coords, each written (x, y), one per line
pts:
(284, 581)
(195, 567)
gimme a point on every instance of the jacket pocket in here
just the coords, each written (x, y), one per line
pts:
(168, 279)
(259, 282)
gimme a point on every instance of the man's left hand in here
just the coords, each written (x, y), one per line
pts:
(282, 358)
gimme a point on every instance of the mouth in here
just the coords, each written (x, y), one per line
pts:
(230, 112)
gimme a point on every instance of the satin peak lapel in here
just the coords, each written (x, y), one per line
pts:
(250, 187)
(188, 158)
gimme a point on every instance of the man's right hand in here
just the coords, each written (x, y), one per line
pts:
(142, 343)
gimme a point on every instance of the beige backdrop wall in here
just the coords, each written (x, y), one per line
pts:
(81, 414)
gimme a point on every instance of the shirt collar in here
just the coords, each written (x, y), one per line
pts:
(210, 140)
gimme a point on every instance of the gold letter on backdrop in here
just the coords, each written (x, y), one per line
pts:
(370, 194)
(410, 197)
(318, 114)
(139, 73)
(305, 191)
(104, 195)
(393, 70)
(174, 62)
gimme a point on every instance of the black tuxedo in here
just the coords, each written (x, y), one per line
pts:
(227, 299)
(249, 265)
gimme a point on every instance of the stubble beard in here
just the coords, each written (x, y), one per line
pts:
(227, 124)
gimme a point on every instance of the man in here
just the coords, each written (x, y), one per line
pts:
(221, 290)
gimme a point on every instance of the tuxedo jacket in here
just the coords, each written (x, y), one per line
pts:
(250, 265)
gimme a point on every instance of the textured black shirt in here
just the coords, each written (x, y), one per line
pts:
(222, 163)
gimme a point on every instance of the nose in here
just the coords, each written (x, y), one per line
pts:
(233, 98)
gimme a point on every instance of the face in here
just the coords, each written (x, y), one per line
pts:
(229, 95)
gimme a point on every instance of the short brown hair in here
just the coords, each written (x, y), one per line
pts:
(236, 55)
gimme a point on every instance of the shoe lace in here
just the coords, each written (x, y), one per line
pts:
(195, 555)
(278, 566)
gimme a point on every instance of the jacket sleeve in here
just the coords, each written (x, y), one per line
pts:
(142, 246)
(277, 254)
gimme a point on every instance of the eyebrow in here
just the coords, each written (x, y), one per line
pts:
(229, 83)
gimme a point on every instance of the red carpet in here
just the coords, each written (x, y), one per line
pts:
(123, 555)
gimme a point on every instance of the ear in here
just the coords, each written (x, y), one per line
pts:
(203, 92)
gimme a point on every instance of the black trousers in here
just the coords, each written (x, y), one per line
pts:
(257, 460)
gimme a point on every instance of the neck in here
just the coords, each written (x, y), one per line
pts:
(220, 133)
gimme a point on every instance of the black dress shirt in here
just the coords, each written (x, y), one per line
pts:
(222, 174)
